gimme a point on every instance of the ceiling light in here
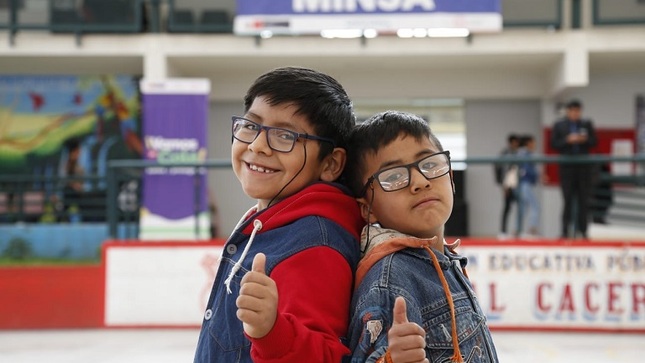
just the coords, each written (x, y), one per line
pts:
(405, 33)
(341, 33)
(370, 33)
(448, 32)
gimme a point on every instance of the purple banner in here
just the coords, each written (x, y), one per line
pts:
(175, 118)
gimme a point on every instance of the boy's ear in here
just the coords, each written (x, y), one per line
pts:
(366, 212)
(333, 165)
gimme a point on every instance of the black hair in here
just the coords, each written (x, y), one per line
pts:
(512, 137)
(72, 143)
(317, 96)
(574, 104)
(525, 139)
(377, 132)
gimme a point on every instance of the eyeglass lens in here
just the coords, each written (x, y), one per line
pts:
(278, 139)
(431, 167)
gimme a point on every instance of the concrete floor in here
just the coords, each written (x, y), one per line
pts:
(177, 346)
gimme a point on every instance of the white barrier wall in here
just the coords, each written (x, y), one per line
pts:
(521, 285)
(158, 284)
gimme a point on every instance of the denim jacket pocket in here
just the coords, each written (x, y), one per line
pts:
(438, 329)
(224, 309)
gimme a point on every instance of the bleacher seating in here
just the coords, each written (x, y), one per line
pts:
(215, 21)
(181, 21)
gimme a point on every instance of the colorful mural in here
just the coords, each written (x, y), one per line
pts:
(41, 116)
(57, 130)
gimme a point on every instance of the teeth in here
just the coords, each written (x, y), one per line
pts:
(260, 169)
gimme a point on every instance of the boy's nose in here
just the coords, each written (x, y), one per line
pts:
(417, 180)
(261, 143)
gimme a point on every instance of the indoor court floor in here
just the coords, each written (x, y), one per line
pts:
(177, 346)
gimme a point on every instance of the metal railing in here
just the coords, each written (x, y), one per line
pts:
(68, 16)
(110, 16)
(116, 198)
(120, 172)
(618, 12)
(49, 199)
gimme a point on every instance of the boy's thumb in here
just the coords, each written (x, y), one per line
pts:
(259, 263)
(399, 313)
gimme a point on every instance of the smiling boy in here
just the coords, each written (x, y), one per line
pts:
(284, 282)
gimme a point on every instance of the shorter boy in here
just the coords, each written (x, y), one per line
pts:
(413, 301)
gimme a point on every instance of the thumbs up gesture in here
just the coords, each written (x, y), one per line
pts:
(257, 305)
(406, 340)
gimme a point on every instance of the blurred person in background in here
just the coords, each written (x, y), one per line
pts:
(574, 136)
(506, 178)
(529, 175)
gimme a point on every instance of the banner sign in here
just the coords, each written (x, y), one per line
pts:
(531, 286)
(540, 286)
(175, 200)
(313, 16)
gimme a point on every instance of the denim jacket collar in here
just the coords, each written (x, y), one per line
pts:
(374, 235)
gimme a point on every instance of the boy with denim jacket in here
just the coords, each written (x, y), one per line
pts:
(284, 281)
(413, 301)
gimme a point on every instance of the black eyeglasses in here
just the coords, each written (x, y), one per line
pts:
(398, 177)
(279, 139)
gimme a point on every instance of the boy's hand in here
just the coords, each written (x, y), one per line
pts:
(406, 340)
(257, 305)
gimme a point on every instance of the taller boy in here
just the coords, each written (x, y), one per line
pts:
(284, 282)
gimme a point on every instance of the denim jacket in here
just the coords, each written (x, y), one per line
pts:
(410, 272)
(320, 217)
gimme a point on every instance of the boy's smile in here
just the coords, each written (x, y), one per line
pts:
(264, 172)
(261, 169)
(422, 208)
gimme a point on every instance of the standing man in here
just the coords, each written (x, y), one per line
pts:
(574, 136)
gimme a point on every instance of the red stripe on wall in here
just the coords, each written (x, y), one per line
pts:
(51, 297)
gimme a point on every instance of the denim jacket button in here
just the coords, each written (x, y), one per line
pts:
(208, 314)
(231, 249)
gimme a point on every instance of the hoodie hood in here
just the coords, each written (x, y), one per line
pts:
(325, 200)
(328, 200)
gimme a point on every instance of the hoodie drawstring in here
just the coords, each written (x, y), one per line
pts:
(257, 225)
(456, 357)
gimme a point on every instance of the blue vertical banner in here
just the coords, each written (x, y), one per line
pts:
(174, 199)
(313, 16)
